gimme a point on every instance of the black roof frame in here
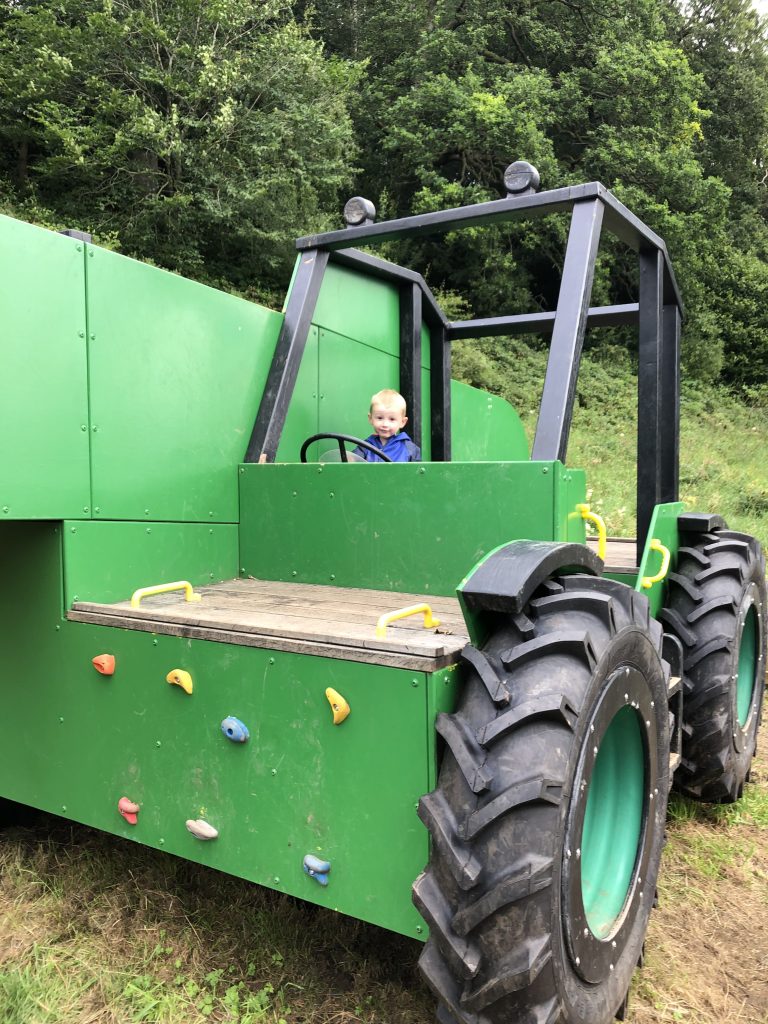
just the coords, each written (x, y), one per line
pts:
(658, 313)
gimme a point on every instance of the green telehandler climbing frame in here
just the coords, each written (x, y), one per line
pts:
(203, 645)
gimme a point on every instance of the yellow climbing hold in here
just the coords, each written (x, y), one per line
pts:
(339, 706)
(178, 677)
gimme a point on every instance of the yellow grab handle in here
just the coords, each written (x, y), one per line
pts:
(403, 613)
(164, 588)
(656, 545)
(602, 533)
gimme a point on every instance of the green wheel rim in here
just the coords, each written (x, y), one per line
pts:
(747, 660)
(613, 822)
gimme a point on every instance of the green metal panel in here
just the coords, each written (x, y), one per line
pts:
(74, 742)
(443, 690)
(484, 427)
(407, 527)
(349, 374)
(107, 561)
(360, 307)
(44, 425)
(570, 491)
(176, 375)
(663, 528)
(302, 419)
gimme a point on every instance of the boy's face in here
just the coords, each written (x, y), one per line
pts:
(386, 421)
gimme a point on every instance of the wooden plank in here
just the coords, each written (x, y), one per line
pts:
(412, 662)
(294, 611)
(620, 553)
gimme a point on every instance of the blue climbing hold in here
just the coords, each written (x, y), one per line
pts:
(235, 730)
(317, 869)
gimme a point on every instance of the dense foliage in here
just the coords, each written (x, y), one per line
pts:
(205, 134)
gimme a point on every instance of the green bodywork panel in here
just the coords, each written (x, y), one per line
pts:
(361, 307)
(484, 428)
(663, 528)
(409, 527)
(107, 561)
(176, 374)
(44, 424)
(74, 742)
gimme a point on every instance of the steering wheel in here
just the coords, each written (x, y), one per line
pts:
(344, 440)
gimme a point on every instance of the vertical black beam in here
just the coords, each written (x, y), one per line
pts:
(440, 392)
(650, 438)
(291, 343)
(554, 423)
(410, 355)
(670, 403)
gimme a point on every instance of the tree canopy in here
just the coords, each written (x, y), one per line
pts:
(206, 134)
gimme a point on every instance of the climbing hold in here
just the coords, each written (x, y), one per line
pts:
(104, 663)
(178, 677)
(128, 809)
(201, 829)
(339, 706)
(317, 869)
(235, 730)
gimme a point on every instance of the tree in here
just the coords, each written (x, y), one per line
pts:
(204, 134)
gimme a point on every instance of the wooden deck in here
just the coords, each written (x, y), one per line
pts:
(332, 622)
(620, 554)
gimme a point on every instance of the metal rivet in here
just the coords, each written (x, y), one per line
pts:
(419, 929)
(332, 576)
(271, 661)
(274, 771)
(158, 743)
(586, 932)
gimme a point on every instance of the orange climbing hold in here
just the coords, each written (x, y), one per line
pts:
(104, 663)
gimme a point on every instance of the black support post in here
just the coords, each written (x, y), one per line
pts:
(670, 404)
(650, 437)
(410, 355)
(285, 363)
(554, 424)
(440, 392)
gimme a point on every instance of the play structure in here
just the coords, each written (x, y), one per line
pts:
(321, 676)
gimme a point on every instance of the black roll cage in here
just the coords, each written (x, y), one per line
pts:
(658, 313)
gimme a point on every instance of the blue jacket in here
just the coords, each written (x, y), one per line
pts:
(399, 448)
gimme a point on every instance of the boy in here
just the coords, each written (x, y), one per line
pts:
(387, 417)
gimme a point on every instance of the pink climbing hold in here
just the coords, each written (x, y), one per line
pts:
(128, 809)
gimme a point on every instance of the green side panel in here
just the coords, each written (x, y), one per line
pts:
(360, 307)
(407, 527)
(570, 491)
(663, 528)
(302, 419)
(74, 742)
(484, 428)
(108, 561)
(349, 374)
(44, 424)
(443, 689)
(176, 375)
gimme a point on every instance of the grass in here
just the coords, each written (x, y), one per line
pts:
(94, 930)
(723, 441)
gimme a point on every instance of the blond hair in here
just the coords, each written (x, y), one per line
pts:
(388, 399)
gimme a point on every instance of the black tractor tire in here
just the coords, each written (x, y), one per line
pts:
(512, 939)
(717, 607)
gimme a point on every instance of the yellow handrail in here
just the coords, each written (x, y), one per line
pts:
(656, 545)
(602, 533)
(402, 613)
(164, 588)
